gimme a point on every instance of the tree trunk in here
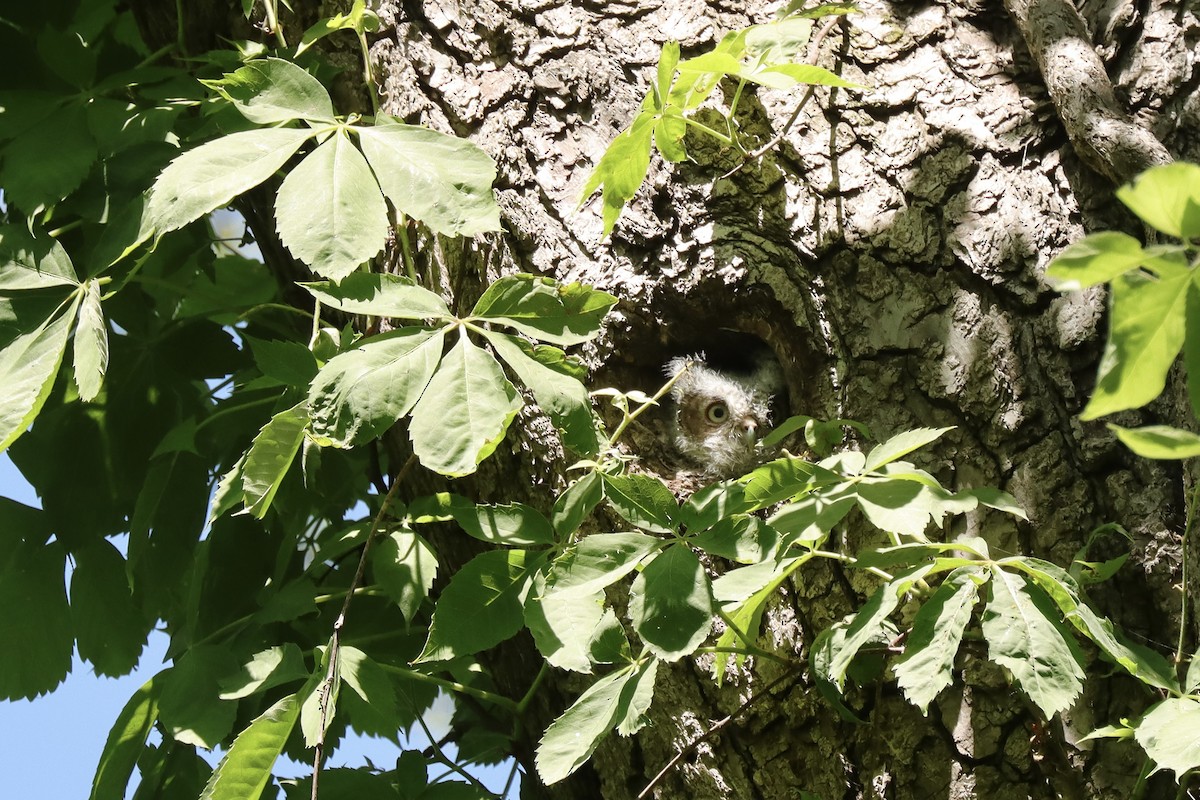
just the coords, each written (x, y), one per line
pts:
(890, 252)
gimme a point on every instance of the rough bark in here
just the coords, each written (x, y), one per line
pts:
(890, 252)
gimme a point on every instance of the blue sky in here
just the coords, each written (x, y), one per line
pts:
(49, 747)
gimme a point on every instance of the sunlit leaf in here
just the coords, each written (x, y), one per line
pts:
(404, 566)
(27, 262)
(642, 500)
(270, 90)
(542, 309)
(464, 412)
(379, 295)
(1159, 441)
(1168, 734)
(270, 457)
(91, 344)
(28, 365)
(671, 603)
(926, 667)
(1167, 197)
(599, 560)
(246, 768)
(443, 181)
(329, 211)
(125, 743)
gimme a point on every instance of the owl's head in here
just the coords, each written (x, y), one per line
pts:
(719, 416)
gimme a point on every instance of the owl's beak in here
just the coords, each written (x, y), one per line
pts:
(749, 430)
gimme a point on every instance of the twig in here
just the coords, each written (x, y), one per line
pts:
(813, 47)
(711, 732)
(335, 641)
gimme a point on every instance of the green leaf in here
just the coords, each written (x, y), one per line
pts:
(599, 560)
(574, 505)
(1097, 258)
(912, 553)
(91, 344)
(509, 524)
(811, 519)
(289, 362)
(189, 706)
(926, 667)
(622, 168)
(906, 507)
(246, 768)
(1145, 335)
(563, 626)
(777, 481)
(1025, 637)
(404, 566)
(211, 175)
(563, 314)
(869, 621)
(380, 295)
(1145, 664)
(1166, 197)
(270, 457)
(901, 445)
(270, 90)
(27, 262)
(642, 500)
(329, 211)
(464, 413)
(362, 392)
(744, 539)
(28, 365)
(564, 399)
(50, 160)
(1158, 441)
(109, 627)
(713, 504)
(671, 603)
(637, 697)
(267, 669)
(368, 680)
(572, 738)
(1168, 734)
(443, 181)
(785, 76)
(36, 621)
(125, 743)
(995, 498)
(482, 605)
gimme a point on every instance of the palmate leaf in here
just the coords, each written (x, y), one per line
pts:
(622, 168)
(901, 445)
(1167, 197)
(1025, 636)
(599, 560)
(37, 619)
(246, 768)
(643, 500)
(404, 566)
(443, 181)
(380, 295)
(27, 262)
(91, 344)
(482, 605)
(1159, 441)
(329, 211)
(465, 411)
(1145, 336)
(925, 668)
(671, 603)
(1168, 734)
(28, 365)
(190, 706)
(542, 309)
(271, 90)
(512, 524)
(110, 629)
(125, 743)
(1097, 258)
(563, 626)
(572, 738)
(574, 504)
(564, 399)
(362, 392)
(270, 457)
(211, 175)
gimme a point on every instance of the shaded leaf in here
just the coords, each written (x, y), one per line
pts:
(576, 503)
(404, 566)
(563, 626)
(643, 500)
(36, 621)
(1025, 637)
(270, 457)
(27, 262)
(925, 668)
(482, 605)
(125, 743)
(671, 603)
(109, 627)
(267, 669)
(190, 706)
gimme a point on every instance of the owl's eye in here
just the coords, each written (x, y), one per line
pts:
(716, 412)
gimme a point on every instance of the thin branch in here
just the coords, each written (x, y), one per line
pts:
(335, 641)
(711, 732)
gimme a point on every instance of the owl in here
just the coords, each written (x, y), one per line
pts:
(719, 416)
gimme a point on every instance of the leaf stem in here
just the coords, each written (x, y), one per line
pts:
(653, 401)
(851, 561)
(449, 762)
(368, 73)
(405, 246)
(454, 686)
(748, 651)
(1183, 545)
(715, 134)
